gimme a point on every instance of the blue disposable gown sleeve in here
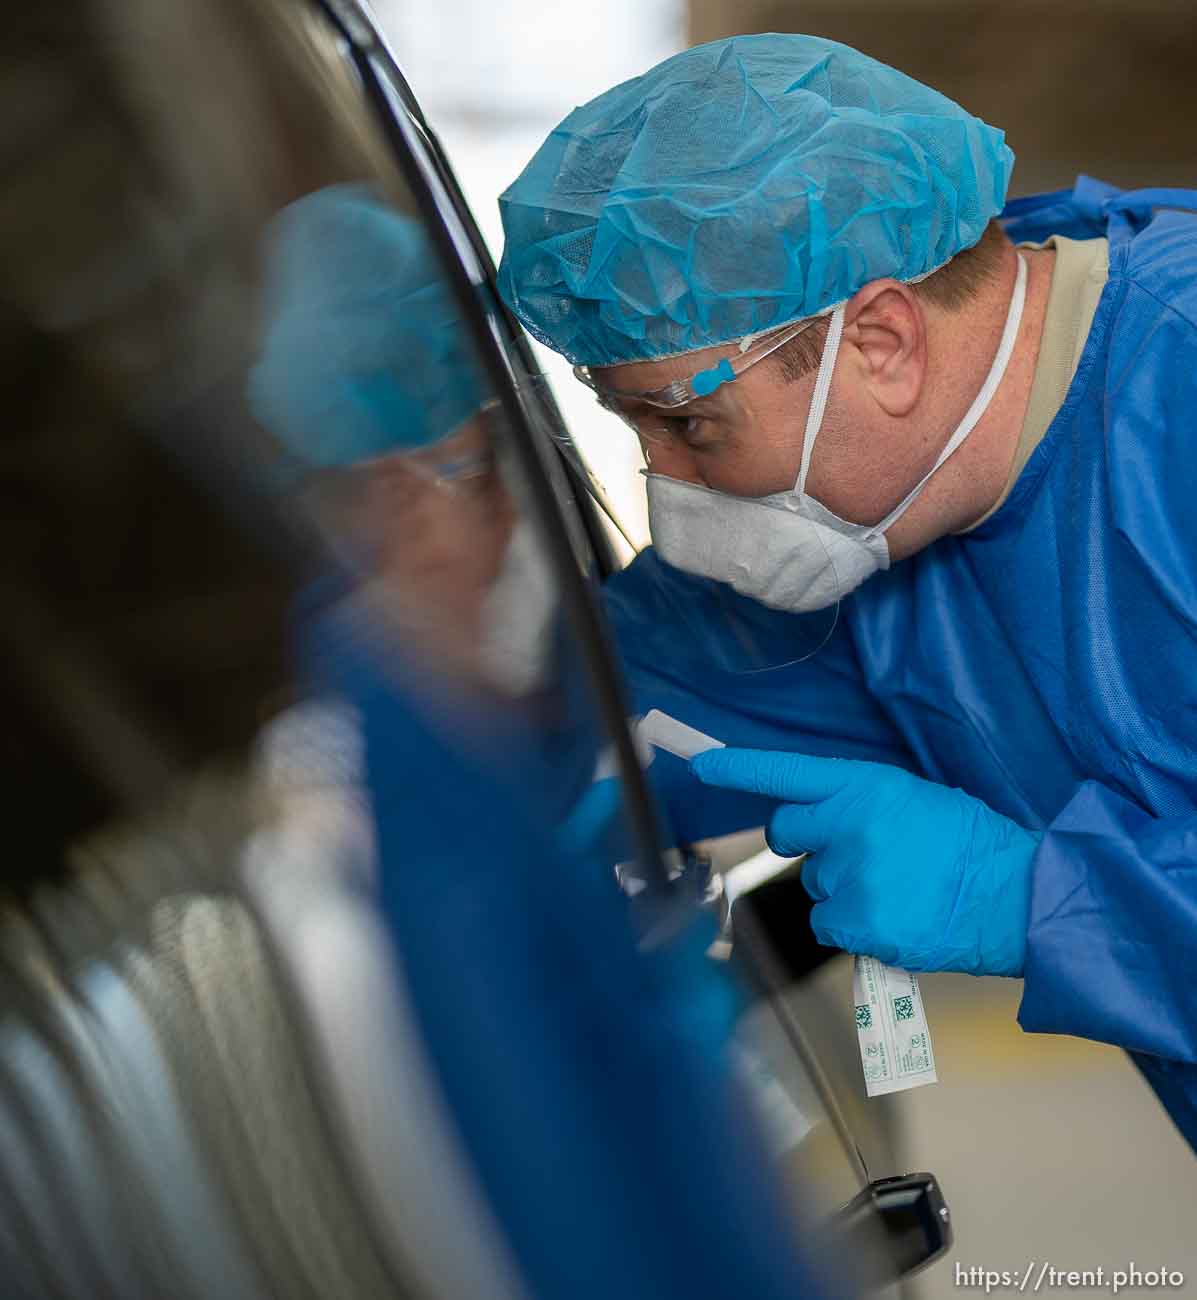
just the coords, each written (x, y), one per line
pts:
(1112, 943)
(745, 675)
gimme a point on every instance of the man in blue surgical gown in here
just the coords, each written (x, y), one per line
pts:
(865, 383)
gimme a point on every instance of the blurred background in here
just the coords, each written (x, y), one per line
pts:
(1048, 1149)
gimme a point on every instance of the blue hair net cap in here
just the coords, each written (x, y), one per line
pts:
(364, 350)
(738, 186)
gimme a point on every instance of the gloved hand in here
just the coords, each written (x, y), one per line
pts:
(915, 874)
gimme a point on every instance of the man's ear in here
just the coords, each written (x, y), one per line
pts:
(886, 326)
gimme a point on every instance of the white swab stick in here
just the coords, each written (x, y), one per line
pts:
(674, 737)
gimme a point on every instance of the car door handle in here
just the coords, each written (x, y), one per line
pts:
(915, 1217)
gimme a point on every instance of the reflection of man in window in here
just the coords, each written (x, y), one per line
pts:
(365, 374)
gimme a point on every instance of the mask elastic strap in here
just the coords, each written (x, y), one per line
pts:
(980, 403)
(818, 401)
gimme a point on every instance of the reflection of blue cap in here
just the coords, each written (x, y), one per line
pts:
(738, 186)
(364, 350)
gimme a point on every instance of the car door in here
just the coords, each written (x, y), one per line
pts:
(318, 979)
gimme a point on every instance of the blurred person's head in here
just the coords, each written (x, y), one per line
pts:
(367, 378)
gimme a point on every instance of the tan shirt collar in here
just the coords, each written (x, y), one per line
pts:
(1078, 278)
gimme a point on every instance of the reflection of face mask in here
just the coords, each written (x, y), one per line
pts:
(787, 550)
(518, 616)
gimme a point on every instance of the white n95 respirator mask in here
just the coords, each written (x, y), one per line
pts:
(787, 550)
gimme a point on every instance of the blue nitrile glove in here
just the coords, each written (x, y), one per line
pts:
(915, 874)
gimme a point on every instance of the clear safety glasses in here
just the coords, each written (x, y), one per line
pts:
(680, 392)
(453, 463)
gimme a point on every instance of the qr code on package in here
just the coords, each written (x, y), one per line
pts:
(864, 1016)
(904, 1008)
